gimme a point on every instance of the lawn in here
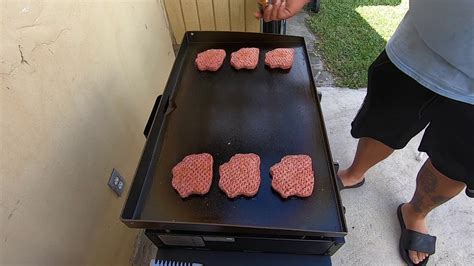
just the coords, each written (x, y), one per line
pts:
(353, 33)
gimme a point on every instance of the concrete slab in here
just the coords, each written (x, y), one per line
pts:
(371, 210)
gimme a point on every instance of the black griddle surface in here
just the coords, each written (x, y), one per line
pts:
(272, 113)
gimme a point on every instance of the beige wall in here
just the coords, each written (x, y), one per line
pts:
(73, 109)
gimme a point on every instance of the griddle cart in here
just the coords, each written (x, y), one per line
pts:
(269, 112)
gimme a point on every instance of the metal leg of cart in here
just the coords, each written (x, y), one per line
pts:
(275, 27)
(315, 5)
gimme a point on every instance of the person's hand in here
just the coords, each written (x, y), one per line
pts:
(281, 9)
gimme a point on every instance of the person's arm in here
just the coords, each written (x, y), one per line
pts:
(281, 9)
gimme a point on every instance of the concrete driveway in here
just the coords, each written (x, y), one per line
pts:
(371, 210)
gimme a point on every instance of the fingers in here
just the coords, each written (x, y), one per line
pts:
(267, 13)
(282, 11)
(279, 10)
(275, 10)
(258, 15)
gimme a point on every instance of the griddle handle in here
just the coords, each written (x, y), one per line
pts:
(152, 116)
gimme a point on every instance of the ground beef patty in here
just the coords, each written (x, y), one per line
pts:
(240, 176)
(293, 176)
(193, 175)
(245, 58)
(210, 60)
(280, 58)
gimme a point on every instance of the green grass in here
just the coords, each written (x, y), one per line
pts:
(353, 33)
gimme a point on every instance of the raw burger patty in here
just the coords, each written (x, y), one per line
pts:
(210, 60)
(240, 176)
(293, 176)
(280, 58)
(245, 58)
(193, 175)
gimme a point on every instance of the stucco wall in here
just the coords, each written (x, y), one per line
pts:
(78, 80)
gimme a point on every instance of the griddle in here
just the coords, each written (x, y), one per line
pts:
(269, 112)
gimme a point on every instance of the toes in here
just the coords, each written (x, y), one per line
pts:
(421, 256)
(413, 256)
(425, 256)
(417, 257)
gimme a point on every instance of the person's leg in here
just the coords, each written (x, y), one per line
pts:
(388, 118)
(369, 153)
(432, 189)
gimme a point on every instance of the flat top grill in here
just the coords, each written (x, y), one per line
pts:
(272, 113)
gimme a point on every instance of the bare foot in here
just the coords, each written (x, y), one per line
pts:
(415, 222)
(349, 179)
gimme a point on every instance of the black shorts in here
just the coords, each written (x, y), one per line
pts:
(397, 108)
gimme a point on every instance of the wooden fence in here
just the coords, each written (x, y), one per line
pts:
(222, 15)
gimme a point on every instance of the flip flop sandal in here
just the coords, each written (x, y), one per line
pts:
(470, 192)
(341, 186)
(416, 241)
